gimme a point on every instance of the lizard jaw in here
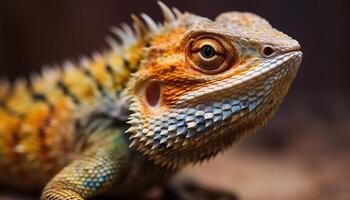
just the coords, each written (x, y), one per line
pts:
(210, 122)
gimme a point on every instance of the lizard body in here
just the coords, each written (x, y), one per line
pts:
(166, 96)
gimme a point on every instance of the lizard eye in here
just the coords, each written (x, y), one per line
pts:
(268, 51)
(209, 55)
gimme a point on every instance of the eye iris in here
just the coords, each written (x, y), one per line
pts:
(207, 51)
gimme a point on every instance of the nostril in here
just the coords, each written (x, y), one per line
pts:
(268, 51)
(153, 93)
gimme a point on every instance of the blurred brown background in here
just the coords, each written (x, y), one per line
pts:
(303, 152)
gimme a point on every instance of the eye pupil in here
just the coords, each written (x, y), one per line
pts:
(268, 51)
(207, 51)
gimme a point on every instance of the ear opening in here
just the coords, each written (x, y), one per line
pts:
(152, 94)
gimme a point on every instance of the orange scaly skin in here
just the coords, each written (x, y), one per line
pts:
(166, 96)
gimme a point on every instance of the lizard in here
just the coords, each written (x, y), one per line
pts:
(163, 96)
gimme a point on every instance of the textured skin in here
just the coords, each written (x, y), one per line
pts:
(129, 117)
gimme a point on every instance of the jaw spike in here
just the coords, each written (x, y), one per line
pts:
(133, 144)
(151, 25)
(169, 144)
(167, 13)
(155, 145)
(149, 142)
(134, 121)
(131, 130)
(137, 135)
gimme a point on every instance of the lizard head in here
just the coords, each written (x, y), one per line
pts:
(204, 84)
